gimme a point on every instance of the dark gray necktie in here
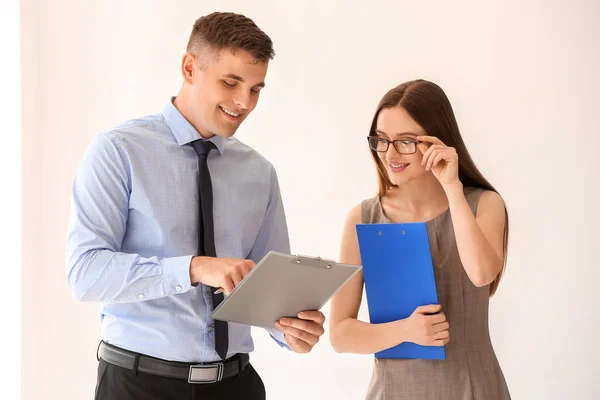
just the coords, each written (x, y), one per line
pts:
(206, 234)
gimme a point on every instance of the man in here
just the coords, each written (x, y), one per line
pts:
(170, 207)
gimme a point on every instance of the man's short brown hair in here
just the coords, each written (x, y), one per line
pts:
(218, 31)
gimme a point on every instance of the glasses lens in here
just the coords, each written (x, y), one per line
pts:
(405, 146)
(377, 144)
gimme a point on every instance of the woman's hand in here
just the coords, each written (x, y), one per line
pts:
(440, 159)
(427, 329)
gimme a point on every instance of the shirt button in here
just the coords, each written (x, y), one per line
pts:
(209, 328)
(208, 289)
(178, 288)
(141, 296)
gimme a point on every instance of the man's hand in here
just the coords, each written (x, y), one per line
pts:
(302, 333)
(224, 273)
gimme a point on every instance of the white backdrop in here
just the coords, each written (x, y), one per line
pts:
(10, 202)
(522, 77)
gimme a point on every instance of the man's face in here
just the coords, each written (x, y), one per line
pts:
(223, 91)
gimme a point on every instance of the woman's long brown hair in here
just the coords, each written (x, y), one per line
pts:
(429, 106)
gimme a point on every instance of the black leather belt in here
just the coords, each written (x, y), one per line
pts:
(194, 373)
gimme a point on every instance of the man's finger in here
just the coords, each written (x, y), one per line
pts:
(247, 268)
(227, 286)
(297, 345)
(303, 325)
(236, 277)
(298, 334)
(316, 316)
(250, 265)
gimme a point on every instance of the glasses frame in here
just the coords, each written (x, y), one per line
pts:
(393, 142)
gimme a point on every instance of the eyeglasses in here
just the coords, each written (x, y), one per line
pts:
(402, 146)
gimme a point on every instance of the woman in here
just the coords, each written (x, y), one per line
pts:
(426, 174)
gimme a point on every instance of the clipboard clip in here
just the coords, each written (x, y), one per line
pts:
(310, 258)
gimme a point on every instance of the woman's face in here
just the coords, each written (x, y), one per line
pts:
(395, 124)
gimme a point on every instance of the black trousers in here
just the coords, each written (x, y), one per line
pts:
(117, 383)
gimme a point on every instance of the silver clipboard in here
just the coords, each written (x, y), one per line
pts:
(282, 285)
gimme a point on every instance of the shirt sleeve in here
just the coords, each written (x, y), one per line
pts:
(96, 269)
(273, 235)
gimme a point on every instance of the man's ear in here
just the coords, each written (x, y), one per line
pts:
(188, 67)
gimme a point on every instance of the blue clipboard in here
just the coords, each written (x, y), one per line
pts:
(398, 274)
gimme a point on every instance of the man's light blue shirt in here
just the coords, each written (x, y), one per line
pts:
(133, 230)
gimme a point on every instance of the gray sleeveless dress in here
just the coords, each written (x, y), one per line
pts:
(471, 370)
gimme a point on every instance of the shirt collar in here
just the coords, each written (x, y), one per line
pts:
(183, 131)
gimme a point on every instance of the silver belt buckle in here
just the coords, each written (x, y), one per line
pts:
(206, 373)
